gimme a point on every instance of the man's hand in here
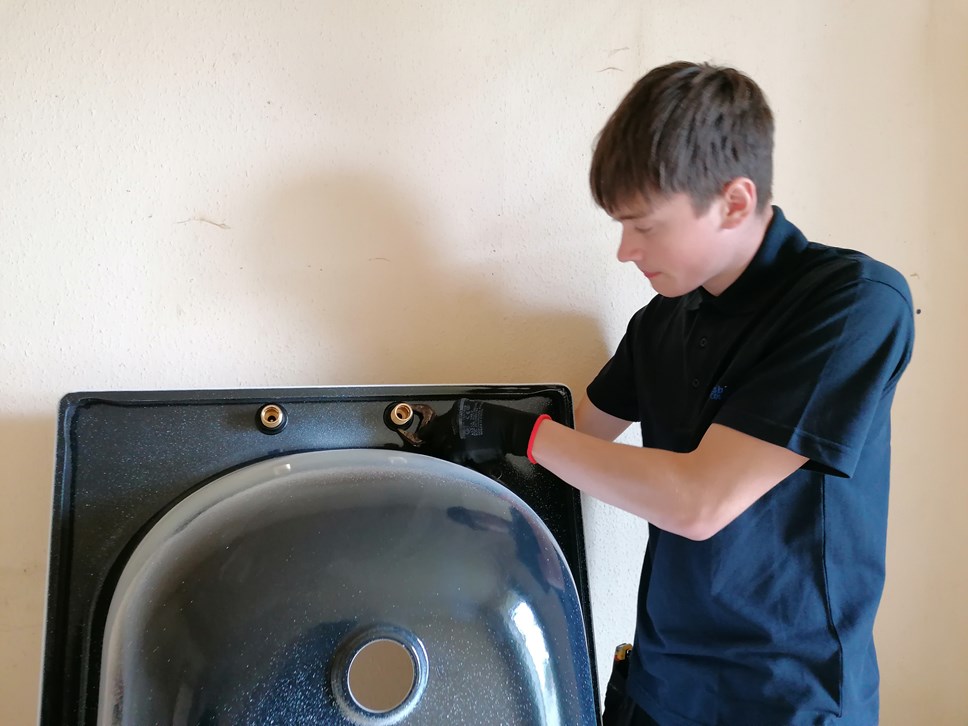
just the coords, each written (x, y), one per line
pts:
(479, 433)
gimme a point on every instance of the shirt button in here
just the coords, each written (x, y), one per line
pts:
(702, 342)
(695, 383)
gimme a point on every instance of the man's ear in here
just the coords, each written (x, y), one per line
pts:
(739, 202)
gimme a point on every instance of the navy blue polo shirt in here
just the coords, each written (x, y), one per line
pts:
(770, 620)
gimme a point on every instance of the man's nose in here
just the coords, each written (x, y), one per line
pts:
(628, 248)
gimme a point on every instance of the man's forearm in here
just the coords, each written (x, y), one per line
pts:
(694, 494)
(651, 483)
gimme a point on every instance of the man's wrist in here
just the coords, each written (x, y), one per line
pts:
(534, 434)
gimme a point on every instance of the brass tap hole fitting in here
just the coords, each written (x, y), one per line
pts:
(401, 414)
(272, 418)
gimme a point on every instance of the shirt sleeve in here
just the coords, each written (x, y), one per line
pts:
(613, 390)
(820, 385)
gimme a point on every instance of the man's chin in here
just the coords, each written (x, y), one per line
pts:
(666, 287)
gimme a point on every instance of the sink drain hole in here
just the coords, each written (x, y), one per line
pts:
(381, 675)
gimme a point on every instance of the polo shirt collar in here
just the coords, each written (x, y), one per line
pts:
(777, 253)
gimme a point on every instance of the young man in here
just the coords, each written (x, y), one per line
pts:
(762, 374)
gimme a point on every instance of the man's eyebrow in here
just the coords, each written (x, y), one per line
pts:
(630, 216)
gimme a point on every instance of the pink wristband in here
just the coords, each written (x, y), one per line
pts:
(534, 433)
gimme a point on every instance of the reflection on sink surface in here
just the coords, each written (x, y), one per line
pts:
(347, 587)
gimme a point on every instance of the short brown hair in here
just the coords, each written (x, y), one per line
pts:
(685, 128)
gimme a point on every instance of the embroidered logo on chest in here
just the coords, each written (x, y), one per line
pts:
(718, 393)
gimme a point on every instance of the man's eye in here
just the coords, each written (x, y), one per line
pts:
(643, 230)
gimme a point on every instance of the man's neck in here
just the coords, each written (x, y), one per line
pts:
(748, 239)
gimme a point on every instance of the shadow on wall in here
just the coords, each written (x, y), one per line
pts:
(384, 298)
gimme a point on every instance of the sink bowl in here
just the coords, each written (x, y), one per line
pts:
(354, 586)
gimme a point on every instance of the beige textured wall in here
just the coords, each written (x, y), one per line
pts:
(923, 626)
(350, 148)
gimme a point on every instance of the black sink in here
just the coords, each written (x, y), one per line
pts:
(210, 568)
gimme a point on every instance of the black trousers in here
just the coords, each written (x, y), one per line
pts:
(620, 710)
(626, 713)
